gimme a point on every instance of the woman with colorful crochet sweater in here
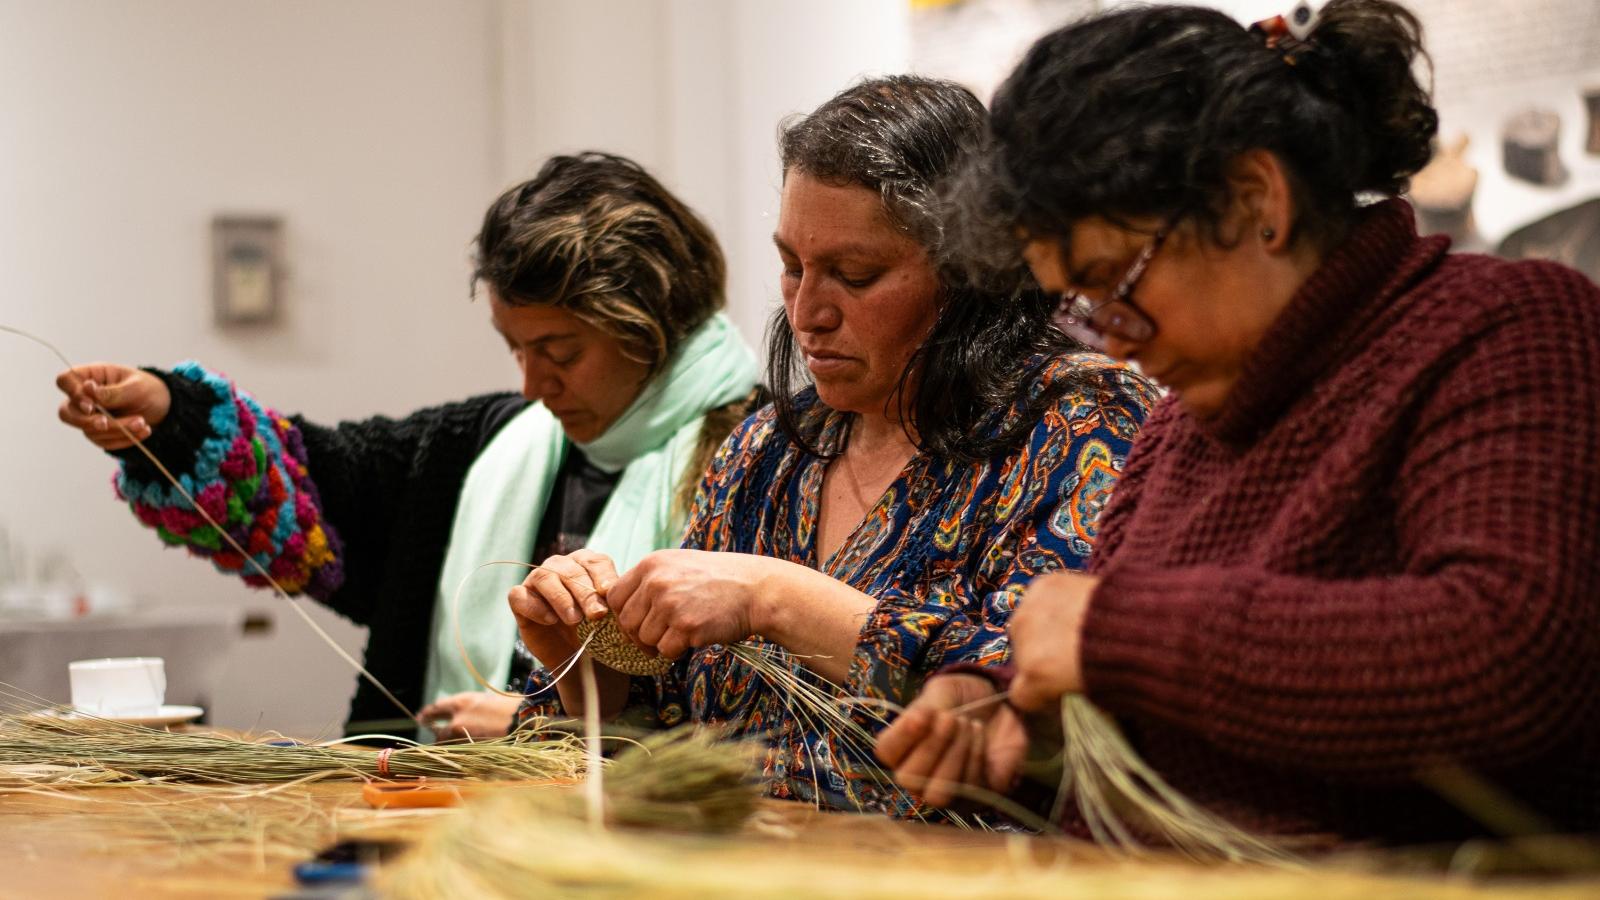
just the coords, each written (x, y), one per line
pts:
(880, 522)
(606, 289)
(1351, 576)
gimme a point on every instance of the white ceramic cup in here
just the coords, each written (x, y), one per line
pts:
(129, 686)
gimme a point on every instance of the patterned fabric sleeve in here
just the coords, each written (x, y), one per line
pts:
(249, 473)
(1040, 511)
(539, 702)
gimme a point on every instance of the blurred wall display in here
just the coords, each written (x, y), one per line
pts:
(1531, 140)
(1513, 75)
(1442, 193)
(1591, 104)
(1571, 236)
(247, 268)
(1502, 168)
(977, 42)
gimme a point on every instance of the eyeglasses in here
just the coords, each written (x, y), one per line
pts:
(1117, 316)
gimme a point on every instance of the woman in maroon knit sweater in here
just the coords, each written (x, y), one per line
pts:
(1354, 561)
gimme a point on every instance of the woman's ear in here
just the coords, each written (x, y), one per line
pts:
(1261, 204)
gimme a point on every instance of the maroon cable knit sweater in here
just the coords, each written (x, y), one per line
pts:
(1383, 555)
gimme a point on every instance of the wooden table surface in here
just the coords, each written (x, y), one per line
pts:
(110, 842)
(115, 842)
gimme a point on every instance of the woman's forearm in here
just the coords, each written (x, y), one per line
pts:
(811, 615)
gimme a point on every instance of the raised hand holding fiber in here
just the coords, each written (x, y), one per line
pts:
(99, 394)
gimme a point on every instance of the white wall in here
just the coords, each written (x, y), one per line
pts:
(379, 129)
(123, 128)
(694, 90)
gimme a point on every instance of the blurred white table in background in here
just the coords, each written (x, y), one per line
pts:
(194, 641)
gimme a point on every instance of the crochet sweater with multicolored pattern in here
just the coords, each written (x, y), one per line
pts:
(356, 515)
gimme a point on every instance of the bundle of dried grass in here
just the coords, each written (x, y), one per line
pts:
(826, 709)
(271, 828)
(686, 780)
(690, 779)
(41, 749)
(1121, 798)
(1127, 805)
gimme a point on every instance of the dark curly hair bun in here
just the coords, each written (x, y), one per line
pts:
(1138, 112)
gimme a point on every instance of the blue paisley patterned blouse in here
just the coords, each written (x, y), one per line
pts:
(947, 551)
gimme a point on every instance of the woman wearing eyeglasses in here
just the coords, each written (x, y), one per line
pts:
(1353, 565)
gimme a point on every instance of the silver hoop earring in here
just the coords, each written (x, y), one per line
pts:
(1268, 234)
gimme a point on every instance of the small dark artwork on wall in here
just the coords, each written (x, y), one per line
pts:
(1571, 236)
(247, 269)
(1532, 138)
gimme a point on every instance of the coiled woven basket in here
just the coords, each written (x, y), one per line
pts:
(611, 647)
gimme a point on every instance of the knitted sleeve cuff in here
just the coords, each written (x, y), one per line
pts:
(1149, 639)
(249, 473)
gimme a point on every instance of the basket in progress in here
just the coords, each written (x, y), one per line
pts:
(612, 648)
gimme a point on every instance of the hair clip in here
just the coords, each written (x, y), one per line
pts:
(1302, 19)
(1288, 34)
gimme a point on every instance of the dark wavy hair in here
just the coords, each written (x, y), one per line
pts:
(597, 235)
(901, 137)
(1139, 112)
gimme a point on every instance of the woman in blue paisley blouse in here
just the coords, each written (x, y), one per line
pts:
(880, 522)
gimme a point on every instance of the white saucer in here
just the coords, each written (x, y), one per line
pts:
(166, 715)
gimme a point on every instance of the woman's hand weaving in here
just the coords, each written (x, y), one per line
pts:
(555, 597)
(677, 600)
(471, 715)
(565, 590)
(1047, 637)
(562, 592)
(957, 732)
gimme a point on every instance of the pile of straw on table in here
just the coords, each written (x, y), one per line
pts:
(41, 748)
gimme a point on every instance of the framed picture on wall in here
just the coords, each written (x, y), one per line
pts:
(247, 269)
